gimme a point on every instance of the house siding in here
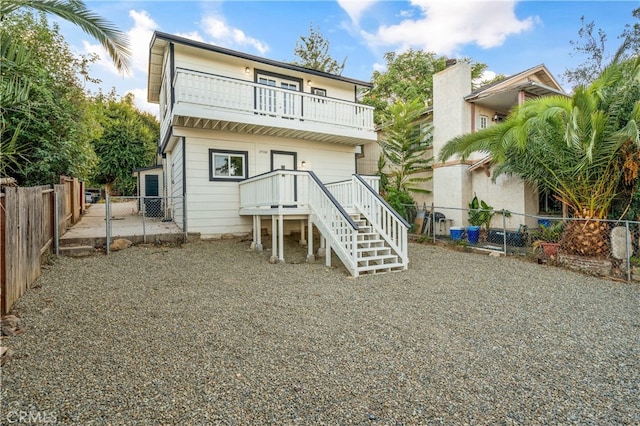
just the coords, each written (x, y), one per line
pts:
(176, 179)
(212, 63)
(214, 205)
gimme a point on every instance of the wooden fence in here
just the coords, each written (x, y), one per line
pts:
(28, 232)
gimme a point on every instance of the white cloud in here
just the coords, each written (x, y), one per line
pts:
(227, 36)
(444, 26)
(355, 8)
(193, 35)
(139, 37)
(379, 67)
(140, 96)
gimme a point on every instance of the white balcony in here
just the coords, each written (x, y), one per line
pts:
(219, 103)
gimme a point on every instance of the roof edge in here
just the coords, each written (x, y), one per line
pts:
(158, 35)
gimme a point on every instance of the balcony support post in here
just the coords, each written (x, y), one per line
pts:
(274, 240)
(321, 249)
(303, 242)
(310, 256)
(281, 238)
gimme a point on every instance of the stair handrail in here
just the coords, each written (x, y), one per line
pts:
(334, 223)
(392, 227)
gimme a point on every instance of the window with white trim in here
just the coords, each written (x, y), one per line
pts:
(483, 122)
(227, 165)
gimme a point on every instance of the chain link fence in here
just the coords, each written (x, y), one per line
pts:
(144, 219)
(600, 247)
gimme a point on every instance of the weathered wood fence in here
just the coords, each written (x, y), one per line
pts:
(28, 231)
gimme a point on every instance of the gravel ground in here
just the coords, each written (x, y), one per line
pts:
(211, 333)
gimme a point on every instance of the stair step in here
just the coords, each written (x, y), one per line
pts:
(388, 267)
(377, 250)
(363, 235)
(370, 243)
(378, 260)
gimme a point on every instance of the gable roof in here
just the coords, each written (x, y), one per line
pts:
(536, 80)
(160, 40)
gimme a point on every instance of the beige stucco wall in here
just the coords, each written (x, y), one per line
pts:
(451, 117)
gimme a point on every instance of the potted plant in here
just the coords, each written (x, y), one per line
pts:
(548, 237)
(480, 214)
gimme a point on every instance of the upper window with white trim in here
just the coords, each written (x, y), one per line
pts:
(227, 165)
(483, 122)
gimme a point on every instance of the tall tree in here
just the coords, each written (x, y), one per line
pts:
(45, 118)
(585, 149)
(128, 139)
(75, 11)
(312, 52)
(405, 139)
(408, 76)
(592, 45)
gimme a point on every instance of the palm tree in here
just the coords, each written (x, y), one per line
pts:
(16, 81)
(582, 148)
(113, 40)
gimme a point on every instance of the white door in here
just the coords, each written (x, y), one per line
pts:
(283, 160)
(278, 101)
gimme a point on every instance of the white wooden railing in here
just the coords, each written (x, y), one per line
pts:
(334, 223)
(327, 204)
(343, 190)
(384, 220)
(276, 188)
(281, 188)
(242, 96)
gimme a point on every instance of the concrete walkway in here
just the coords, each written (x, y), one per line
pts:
(126, 222)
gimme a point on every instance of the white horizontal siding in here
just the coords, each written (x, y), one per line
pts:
(177, 178)
(213, 206)
(214, 63)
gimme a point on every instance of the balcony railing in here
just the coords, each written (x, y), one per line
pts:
(243, 97)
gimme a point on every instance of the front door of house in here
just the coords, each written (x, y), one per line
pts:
(285, 160)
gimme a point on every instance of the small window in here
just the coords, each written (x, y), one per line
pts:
(227, 165)
(483, 122)
(318, 92)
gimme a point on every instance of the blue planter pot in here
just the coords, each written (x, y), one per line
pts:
(473, 233)
(456, 233)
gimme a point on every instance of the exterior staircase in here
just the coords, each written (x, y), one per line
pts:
(356, 224)
(374, 255)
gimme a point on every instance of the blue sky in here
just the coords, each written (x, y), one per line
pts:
(509, 36)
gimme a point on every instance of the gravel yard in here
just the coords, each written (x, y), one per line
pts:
(211, 333)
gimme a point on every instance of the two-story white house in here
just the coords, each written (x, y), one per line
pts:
(250, 143)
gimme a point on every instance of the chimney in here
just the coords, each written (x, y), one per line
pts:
(450, 62)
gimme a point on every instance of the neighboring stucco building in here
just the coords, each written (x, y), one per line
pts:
(457, 110)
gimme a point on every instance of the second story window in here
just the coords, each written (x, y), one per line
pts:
(483, 122)
(318, 92)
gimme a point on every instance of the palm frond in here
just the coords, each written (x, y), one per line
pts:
(108, 35)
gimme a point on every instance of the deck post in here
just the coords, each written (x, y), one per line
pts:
(274, 239)
(281, 238)
(327, 255)
(321, 249)
(253, 236)
(310, 256)
(257, 237)
(302, 240)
